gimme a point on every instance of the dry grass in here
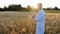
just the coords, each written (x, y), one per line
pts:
(23, 23)
(52, 23)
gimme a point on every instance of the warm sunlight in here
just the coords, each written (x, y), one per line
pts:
(24, 3)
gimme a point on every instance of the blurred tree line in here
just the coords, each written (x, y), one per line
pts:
(55, 8)
(14, 7)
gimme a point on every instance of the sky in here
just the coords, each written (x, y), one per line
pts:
(24, 3)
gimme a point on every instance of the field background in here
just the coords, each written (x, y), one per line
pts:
(23, 23)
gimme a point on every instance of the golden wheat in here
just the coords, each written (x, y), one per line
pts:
(23, 23)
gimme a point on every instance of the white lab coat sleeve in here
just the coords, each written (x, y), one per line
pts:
(40, 17)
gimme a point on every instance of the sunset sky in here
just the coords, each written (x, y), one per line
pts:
(24, 3)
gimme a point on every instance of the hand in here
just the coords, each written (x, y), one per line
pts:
(33, 16)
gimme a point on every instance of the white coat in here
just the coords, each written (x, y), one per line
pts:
(40, 25)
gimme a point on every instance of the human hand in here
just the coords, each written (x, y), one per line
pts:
(33, 16)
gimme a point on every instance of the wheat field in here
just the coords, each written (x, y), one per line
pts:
(23, 23)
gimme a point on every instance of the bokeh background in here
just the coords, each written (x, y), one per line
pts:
(16, 16)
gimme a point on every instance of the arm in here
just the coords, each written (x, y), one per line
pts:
(40, 17)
